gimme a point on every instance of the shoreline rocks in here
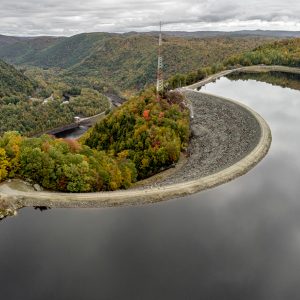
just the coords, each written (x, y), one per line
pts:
(222, 134)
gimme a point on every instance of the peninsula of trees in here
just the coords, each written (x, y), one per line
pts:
(137, 140)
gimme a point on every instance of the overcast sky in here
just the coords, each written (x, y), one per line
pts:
(69, 17)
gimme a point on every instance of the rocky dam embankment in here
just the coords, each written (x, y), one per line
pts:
(222, 134)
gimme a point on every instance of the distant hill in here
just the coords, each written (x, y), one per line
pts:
(285, 53)
(269, 33)
(68, 51)
(49, 51)
(127, 60)
(130, 61)
(22, 50)
(241, 33)
(13, 82)
(8, 40)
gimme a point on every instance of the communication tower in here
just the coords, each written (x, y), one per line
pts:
(160, 82)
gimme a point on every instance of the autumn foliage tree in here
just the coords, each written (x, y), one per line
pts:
(137, 140)
(151, 133)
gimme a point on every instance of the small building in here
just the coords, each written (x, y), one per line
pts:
(77, 119)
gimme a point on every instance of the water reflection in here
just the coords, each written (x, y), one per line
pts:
(275, 78)
(41, 208)
(72, 133)
(238, 241)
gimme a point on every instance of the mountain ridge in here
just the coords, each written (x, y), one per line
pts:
(13, 82)
(125, 60)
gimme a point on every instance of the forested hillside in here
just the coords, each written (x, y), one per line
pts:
(13, 82)
(8, 40)
(286, 53)
(25, 50)
(127, 61)
(239, 33)
(34, 115)
(50, 52)
(34, 106)
(150, 133)
(137, 140)
(131, 62)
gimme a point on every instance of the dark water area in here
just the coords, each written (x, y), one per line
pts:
(72, 133)
(239, 241)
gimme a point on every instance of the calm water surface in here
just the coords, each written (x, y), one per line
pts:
(238, 241)
(72, 133)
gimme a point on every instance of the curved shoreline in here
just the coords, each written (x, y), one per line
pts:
(19, 199)
(250, 69)
(223, 133)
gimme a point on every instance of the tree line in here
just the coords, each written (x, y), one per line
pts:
(30, 116)
(150, 133)
(285, 53)
(62, 164)
(135, 141)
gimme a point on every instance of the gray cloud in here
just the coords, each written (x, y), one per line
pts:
(68, 17)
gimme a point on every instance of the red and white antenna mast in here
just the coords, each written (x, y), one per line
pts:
(160, 82)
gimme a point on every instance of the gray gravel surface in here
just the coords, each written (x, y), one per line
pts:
(222, 134)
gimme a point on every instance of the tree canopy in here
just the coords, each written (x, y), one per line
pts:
(127, 145)
(151, 133)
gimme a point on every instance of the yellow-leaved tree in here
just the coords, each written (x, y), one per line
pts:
(11, 142)
(3, 164)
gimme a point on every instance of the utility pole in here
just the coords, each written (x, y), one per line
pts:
(160, 82)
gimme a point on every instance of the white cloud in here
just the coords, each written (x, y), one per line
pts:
(68, 17)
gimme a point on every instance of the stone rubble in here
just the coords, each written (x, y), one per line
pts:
(222, 133)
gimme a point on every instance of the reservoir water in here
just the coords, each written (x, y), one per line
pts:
(239, 241)
(72, 133)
